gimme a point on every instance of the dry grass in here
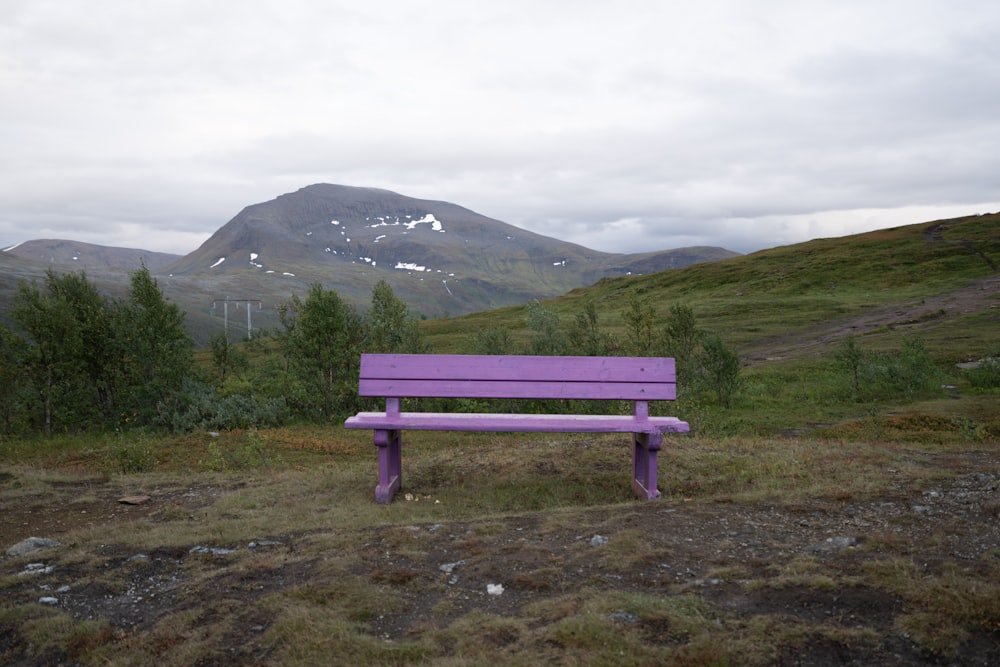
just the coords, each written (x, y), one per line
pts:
(347, 581)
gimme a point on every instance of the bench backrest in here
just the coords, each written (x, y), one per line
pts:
(529, 377)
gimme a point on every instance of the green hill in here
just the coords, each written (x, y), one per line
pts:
(787, 310)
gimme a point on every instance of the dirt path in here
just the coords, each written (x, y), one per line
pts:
(974, 298)
(966, 300)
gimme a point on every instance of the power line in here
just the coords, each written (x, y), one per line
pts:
(225, 312)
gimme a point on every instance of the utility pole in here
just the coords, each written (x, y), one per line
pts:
(225, 313)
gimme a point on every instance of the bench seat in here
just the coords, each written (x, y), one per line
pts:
(514, 423)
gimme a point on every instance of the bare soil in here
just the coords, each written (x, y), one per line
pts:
(735, 557)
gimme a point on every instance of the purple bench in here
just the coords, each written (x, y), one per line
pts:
(396, 376)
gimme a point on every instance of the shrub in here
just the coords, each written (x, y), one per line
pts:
(203, 408)
(719, 367)
(131, 455)
(986, 375)
(255, 452)
(905, 373)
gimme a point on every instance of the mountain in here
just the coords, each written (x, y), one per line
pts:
(87, 256)
(438, 256)
(441, 258)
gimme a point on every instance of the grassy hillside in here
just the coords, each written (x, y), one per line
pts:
(786, 310)
(784, 290)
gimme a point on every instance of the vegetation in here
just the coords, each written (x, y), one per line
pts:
(727, 568)
(87, 361)
(96, 364)
(835, 502)
(786, 313)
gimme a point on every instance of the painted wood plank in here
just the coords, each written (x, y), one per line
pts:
(517, 367)
(435, 421)
(517, 389)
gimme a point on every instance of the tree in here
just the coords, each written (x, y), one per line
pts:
(90, 312)
(322, 342)
(682, 337)
(65, 358)
(544, 322)
(907, 372)
(391, 328)
(640, 326)
(226, 357)
(154, 347)
(12, 351)
(496, 340)
(586, 337)
(720, 369)
(851, 358)
(86, 360)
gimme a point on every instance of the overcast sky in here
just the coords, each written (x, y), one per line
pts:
(625, 127)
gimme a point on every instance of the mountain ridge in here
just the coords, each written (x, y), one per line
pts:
(442, 256)
(439, 257)
(87, 255)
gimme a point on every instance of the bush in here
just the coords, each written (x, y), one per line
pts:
(986, 375)
(905, 373)
(719, 370)
(131, 455)
(255, 452)
(203, 408)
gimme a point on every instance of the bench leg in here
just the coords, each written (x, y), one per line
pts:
(644, 449)
(390, 464)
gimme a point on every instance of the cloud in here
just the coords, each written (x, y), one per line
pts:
(624, 127)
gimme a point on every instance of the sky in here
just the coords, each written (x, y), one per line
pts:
(630, 126)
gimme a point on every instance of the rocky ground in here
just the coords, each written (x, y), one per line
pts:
(808, 566)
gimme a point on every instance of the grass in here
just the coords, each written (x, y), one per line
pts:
(779, 290)
(720, 571)
(343, 572)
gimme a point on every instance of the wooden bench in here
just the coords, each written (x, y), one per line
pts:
(396, 376)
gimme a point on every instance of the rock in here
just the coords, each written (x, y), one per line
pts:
(598, 541)
(447, 568)
(36, 568)
(31, 545)
(707, 582)
(622, 616)
(972, 365)
(494, 589)
(835, 544)
(211, 551)
(48, 600)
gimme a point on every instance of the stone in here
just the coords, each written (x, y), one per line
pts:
(622, 616)
(447, 568)
(835, 544)
(210, 551)
(31, 545)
